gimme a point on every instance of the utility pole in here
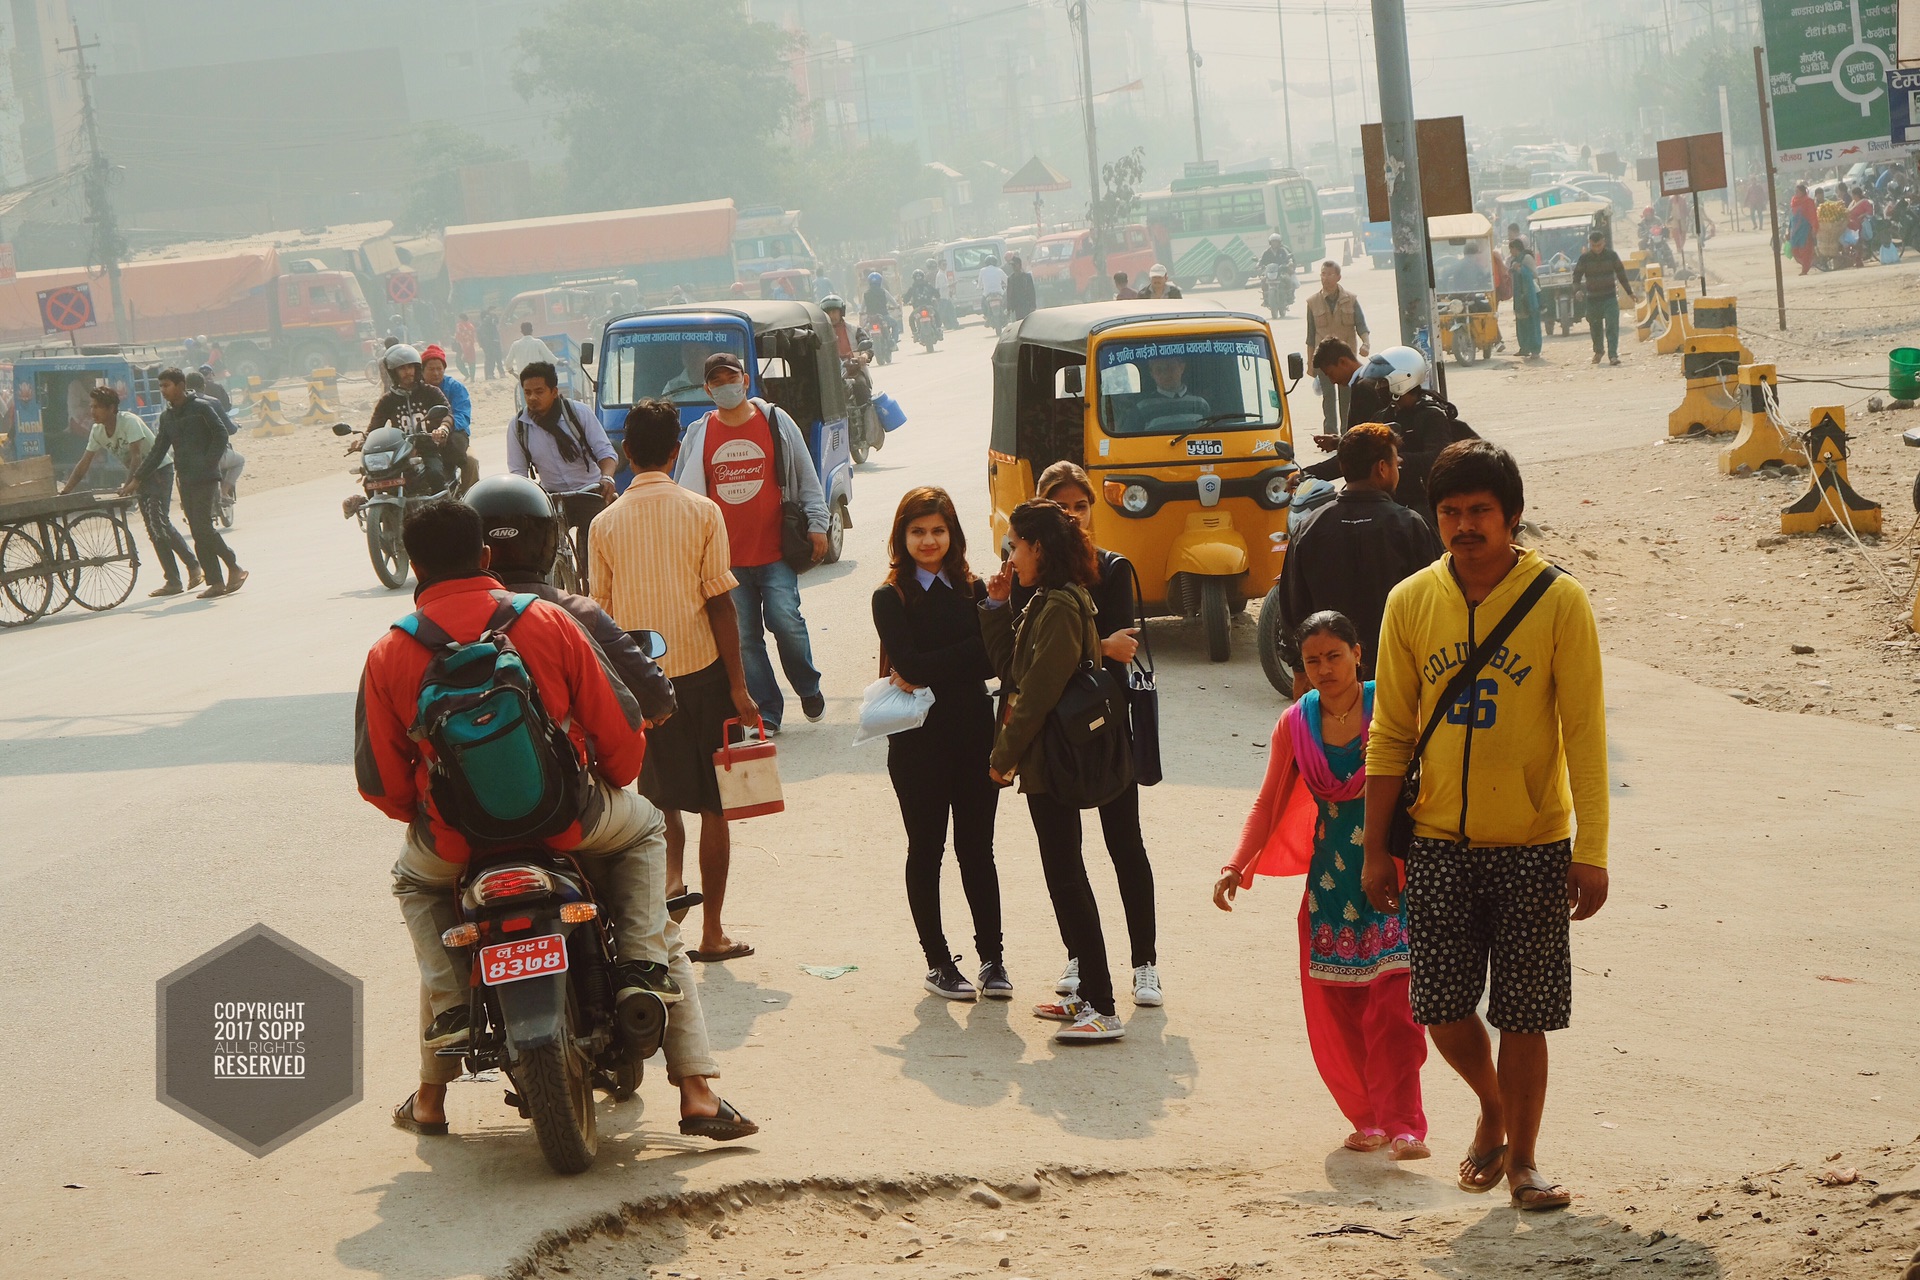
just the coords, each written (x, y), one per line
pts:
(1333, 91)
(1400, 144)
(107, 246)
(1193, 81)
(1077, 13)
(1286, 96)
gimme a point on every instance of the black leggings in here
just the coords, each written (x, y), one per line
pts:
(1120, 824)
(1057, 826)
(930, 785)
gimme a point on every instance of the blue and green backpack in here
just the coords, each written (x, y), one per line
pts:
(503, 772)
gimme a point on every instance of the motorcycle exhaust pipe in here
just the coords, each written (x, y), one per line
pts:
(642, 1020)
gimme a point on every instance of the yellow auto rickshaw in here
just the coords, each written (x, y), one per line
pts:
(1465, 291)
(1178, 412)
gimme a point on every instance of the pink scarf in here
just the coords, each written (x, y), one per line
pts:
(1310, 753)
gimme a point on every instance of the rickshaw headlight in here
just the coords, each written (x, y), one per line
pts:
(1277, 495)
(1134, 499)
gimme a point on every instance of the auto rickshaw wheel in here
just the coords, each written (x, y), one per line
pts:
(1216, 615)
(1272, 625)
(836, 532)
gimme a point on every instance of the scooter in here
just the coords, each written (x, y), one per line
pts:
(993, 308)
(1277, 289)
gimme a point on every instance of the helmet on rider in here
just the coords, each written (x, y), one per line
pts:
(1647, 212)
(206, 370)
(834, 302)
(518, 520)
(919, 277)
(1276, 240)
(1403, 368)
(873, 277)
(398, 356)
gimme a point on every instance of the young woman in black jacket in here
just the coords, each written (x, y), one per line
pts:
(927, 614)
(1068, 485)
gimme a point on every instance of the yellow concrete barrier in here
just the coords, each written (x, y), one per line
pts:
(271, 419)
(1763, 440)
(1829, 499)
(1711, 366)
(1675, 335)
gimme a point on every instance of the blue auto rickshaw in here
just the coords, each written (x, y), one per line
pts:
(791, 359)
(52, 413)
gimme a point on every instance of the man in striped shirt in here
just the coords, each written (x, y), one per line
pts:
(660, 559)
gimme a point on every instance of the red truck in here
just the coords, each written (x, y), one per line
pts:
(269, 317)
(1062, 264)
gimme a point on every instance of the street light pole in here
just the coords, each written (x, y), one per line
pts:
(1193, 81)
(106, 232)
(1286, 96)
(1333, 91)
(1078, 14)
(1400, 144)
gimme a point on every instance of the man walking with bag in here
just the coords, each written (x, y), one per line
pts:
(1489, 685)
(750, 458)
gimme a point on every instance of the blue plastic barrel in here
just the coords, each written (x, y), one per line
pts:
(891, 414)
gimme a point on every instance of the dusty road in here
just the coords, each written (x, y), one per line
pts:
(174, 771)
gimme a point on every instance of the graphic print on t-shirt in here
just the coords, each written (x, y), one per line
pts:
(738, 471)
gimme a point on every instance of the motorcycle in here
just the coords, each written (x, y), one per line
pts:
(880, 334)
(1658, 246)
(926, 328)
(864, 430)
(993, 309)
(1277, 289)
(541, 993)
(394, 475)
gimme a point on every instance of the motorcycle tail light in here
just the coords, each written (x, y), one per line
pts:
(579, 912)
(519, 924)
(461, 935)
(511, 882)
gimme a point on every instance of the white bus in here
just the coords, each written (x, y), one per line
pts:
(1217, 227)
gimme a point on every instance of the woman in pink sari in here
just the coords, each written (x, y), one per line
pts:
(1309, 819)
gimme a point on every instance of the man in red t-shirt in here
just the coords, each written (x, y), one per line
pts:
(729, 456)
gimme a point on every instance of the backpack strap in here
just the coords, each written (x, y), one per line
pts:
(770, 412)
(507, 610)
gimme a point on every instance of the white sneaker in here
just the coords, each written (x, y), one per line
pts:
(1069, 981)
(1091, 1026)
(1146, 987)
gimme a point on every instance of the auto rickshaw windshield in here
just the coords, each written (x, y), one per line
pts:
(1174, 385)
(668, 362)
(1462, 266)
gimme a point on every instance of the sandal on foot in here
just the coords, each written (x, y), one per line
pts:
(725, 1127)
(680, 903)
(1535, 1194)
(1481, 1173)
(734, 951)
(1365, 1140)
(1408, 1147)
(403, 1118)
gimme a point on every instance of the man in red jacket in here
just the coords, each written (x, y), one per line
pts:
(620, 835)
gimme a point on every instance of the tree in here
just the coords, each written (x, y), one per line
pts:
(1120, 184)
(661, 101)
(440, 150)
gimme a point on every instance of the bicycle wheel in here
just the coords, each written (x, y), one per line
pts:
(26, 578)
(97, 566)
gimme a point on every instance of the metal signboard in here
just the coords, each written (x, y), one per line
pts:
(1445, 187)
(1903, 105)
(1695, 163)
(1827, 64)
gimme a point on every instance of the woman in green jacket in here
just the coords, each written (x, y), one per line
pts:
(1035, 656)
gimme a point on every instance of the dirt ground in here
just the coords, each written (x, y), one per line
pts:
(1227, 1224)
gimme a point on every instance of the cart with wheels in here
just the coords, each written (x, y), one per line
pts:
(73, 549)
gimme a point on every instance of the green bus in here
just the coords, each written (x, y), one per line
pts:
(1218, 225)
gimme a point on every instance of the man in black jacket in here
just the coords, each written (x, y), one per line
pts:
(1426, 424)
(1020, 293)
(1350, 553)
(190, 430)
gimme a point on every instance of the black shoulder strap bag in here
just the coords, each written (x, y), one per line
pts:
(1087, 748)
(1400, 836)
(796, 541)
(1143, 698)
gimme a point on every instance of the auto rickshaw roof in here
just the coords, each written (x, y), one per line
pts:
(1573, 211)
(764, 314)
(1459, 226)
(1068, 328)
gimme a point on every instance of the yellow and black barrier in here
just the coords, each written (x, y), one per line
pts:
(323, 396)
(1829, 499)
(1652, 292)
(270, 419)
(1710, 365)
(1635, 265)
(1762, 441)
(1650, 318)
(1675, 335)
(1717, 316)
(246, 394)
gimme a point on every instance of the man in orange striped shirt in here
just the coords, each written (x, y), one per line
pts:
(660, 559)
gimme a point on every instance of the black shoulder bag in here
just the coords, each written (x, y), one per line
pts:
(1085, 743)
(1143, 699)
(1400, 835)
(796, 543)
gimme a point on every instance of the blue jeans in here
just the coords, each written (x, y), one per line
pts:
(768, 599)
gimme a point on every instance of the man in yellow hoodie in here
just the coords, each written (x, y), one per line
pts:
(1498, 865)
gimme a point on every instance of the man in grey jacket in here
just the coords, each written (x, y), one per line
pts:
(731, 456)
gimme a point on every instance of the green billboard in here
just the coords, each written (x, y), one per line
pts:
(1827, 64)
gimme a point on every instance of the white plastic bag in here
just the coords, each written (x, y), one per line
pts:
(887, 708)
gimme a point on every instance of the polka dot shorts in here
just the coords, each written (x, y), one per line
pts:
(1469, 910)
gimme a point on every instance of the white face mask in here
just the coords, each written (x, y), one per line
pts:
(730, 395)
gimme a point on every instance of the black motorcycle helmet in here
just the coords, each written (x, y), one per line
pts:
(518, 521)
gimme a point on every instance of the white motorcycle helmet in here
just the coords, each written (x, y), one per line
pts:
(399, 355)
(1402, 368)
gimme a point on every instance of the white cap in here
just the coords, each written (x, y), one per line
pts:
(1155, 271)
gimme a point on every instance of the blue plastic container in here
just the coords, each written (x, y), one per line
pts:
(891, 414)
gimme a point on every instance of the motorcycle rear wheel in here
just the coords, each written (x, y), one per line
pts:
(555, 1083)
(857, 434)
(1279, 673)
(384, 548)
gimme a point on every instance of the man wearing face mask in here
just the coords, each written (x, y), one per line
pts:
(730, 456)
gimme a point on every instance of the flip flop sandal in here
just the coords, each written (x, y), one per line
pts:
(738, 951)
(725, 1127)
(1369, 1140)
(1537, 1196)
(403, 1119)
(1487, 1169)
(1406, 1147)
(680, 904)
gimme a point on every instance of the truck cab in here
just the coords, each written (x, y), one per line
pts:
(324, 318)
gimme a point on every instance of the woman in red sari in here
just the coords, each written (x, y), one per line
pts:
(1309, 819)
(1803, 218)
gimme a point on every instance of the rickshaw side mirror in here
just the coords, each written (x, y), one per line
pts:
(1296, 366)
(586, 353)
(1072, 383)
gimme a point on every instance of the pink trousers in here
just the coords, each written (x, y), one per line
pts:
(1367, 1046)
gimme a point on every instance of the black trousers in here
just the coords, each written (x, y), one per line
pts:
(196, 503)
(934, 778)
(1120, 824)
(577, 512)
(459, 461)
(1057, 826)
(156, 512)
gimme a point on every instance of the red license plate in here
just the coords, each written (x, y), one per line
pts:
(529, 958)
(394, 483)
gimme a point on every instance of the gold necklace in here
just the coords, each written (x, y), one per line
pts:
(1343, 716)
